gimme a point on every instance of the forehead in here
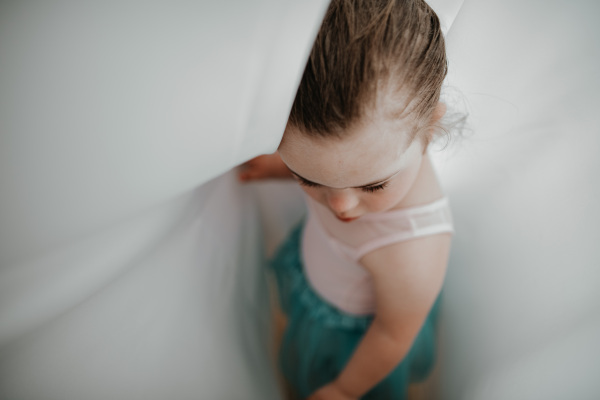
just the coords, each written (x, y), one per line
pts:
(365, 154)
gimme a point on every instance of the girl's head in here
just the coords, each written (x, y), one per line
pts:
(368, 102)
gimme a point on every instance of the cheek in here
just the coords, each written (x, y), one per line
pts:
(403, 185)
(383, 200)
(393, 194)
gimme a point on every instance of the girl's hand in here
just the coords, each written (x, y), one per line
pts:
(264, 167)
(331, 391)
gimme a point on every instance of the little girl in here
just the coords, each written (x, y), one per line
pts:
(360, 278)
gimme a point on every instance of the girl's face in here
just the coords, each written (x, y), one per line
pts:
(370, 170)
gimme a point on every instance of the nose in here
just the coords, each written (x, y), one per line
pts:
(342, 200)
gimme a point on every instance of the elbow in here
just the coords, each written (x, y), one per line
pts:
(397, 337)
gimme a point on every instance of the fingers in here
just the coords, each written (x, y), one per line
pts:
(263, 167)
(252, 170)
(248, 175)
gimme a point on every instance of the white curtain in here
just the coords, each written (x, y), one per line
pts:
(128, 270)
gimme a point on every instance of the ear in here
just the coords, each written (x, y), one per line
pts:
(432, 129)
(439, 112)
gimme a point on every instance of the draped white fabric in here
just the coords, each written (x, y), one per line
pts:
(126, 270)
(131, 264)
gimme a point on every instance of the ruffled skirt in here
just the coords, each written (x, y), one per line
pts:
(320, 339)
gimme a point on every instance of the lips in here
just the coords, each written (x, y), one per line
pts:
(346, 219)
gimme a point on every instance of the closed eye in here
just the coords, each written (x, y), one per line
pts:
(366, 189)
(371, 189)
(304, 182)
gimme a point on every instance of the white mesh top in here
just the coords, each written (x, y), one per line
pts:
(331, 249)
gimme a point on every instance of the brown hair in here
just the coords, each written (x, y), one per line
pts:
(366, 49)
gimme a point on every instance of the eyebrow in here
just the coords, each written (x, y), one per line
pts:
(379, 182)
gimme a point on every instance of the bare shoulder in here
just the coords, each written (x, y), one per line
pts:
(419, 258)
(408, 277)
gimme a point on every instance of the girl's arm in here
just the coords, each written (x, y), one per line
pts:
(408, 277)
(267, 166)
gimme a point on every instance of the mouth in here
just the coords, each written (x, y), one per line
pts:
(346, 219)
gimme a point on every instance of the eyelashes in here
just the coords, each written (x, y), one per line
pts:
(366, 189)
(371, 189)
(306, 183)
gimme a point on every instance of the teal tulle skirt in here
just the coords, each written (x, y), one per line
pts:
(320, 339)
